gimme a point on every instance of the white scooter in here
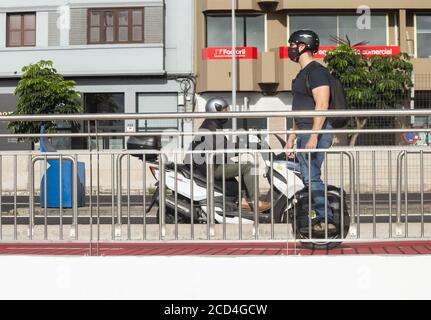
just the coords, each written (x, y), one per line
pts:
(290, 196)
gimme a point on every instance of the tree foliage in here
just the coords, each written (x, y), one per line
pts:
(379, 82)
(43, 91)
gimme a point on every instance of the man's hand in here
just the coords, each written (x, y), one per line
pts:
(289, 145)
(312, 142)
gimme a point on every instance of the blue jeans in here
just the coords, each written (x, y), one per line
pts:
(317, 185)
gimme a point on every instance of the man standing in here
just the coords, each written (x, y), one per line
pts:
(311, 91)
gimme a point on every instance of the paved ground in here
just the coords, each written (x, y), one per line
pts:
(14, 236)
(212, 249)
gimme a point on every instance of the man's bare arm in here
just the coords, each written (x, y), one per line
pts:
(291, 142)
(321, 97)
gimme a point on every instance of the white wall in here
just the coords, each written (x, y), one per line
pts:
(2, 30)
(32, 4)
(86, 60)
(257, 102)
(179, 36)
(179, 33)
(42, 29)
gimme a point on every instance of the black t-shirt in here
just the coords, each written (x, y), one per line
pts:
(302, 101)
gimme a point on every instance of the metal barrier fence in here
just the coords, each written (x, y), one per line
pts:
(375, 193)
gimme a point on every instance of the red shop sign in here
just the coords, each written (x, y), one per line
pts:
(225, 53)
(367, 51)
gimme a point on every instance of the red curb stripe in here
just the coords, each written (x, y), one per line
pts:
(378, 250)
(213, 249)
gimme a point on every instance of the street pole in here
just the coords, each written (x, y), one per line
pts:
(234, 68)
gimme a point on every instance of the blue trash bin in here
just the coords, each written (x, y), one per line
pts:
(53, 180)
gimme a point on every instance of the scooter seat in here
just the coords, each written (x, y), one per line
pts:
(231, 186)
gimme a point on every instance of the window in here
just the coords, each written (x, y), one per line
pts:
(250, 31)
(115, 26)
(8, 104)
(325, 26)
(423, 24)
(160, 103)
(157, 103)
(105, 103)
(21, 30)
(342, 25)
(422, 101)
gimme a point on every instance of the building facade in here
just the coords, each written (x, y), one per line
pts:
(263, 26)
(133, 56)
(140, 56)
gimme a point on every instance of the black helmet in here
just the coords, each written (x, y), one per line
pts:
(307, 37)
(216, 105)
